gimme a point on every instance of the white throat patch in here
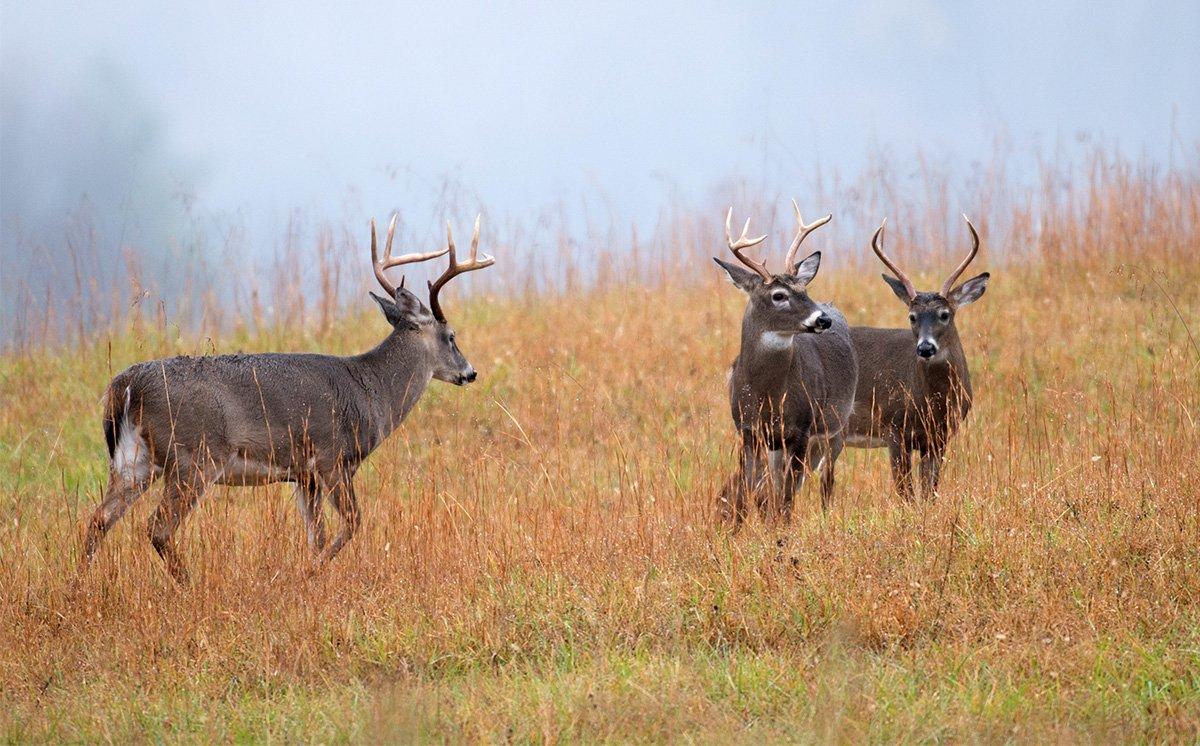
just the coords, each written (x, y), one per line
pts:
(776, 341)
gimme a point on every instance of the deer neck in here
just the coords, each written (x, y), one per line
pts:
(394, 375)
(947, 372)
(766, 358)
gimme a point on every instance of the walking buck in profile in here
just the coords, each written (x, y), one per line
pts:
(262, 418)
(791, 387)
(913, 398)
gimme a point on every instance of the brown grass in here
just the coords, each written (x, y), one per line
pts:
(540, 561)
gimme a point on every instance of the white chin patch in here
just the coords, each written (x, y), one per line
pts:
(776, 341)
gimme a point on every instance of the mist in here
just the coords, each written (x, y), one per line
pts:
(158, 131)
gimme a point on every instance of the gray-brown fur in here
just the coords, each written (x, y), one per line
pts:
(914, 386)
(256, 419)
(789, 401)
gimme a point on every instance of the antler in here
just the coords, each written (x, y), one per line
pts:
(974, 250)
(388, 261)
(802, 232)
(876, 244)
(744, 243)
(456, 269)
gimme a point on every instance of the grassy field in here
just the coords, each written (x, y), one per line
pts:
(540, 560)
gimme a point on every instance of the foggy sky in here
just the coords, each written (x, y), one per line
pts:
(352, 109)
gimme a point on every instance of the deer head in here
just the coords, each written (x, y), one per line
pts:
(779, 304)
(405, 311)
(931, 315)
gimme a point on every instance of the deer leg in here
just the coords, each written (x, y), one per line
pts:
(829, 457)
(795, 467)
(901, 459)
(931, 468)
(184, 488)
(346, 504)
(308, 500)
(741, 484)
(120, 494)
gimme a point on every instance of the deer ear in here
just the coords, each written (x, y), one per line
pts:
(744, 279)
(897, 288)
(405, 312)
(807, 268)
(969, 291)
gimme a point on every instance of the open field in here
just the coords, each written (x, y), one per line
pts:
(540, 561)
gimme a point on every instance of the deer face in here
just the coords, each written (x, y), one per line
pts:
(931, 315)
(407, 313)
(449, 364)
(782, 307)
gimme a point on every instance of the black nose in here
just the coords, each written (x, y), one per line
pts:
(926, 349)
(824, 322)
(469, 377)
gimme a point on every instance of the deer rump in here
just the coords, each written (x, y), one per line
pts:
(239, 420)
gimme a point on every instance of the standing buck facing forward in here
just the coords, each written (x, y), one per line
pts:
(257, 419)
(792, 383)
(914, 397)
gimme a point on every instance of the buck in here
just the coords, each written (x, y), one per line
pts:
(257, 419)
(913, 397)
(791, 387)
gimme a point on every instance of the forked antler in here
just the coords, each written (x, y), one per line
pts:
(877, 245)
(802, 232)
(456, 269)
(946, 287)
(388, 261)
(744, 243)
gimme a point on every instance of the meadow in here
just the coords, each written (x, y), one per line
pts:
(540, 558)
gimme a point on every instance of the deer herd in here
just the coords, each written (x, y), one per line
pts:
(804, 385)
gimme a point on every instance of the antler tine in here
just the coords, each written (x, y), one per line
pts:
(455, 268)
(802, 232)
(961, 267)
(744, 243)
(388, 261)
(877, 246)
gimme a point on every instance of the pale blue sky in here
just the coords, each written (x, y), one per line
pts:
(351, 109)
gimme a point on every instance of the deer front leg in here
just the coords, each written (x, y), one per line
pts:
(747, 478)
(931, 468)
(344, 500)
(794, 467)
(308, 501)
(901, 459)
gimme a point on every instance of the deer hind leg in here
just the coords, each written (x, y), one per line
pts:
(185, 485)
(901, 458)
(831, 450)
(121, 493)
(309, 494)
(346, 503)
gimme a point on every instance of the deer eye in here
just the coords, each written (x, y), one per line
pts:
(944, 315)
(912, 318)
(779, 296)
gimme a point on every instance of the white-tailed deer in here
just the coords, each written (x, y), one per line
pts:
(262, 418)
(791, 387)
(914, 387)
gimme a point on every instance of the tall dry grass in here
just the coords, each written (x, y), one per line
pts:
(539, 558)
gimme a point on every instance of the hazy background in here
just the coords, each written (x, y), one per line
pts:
(171, 130)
